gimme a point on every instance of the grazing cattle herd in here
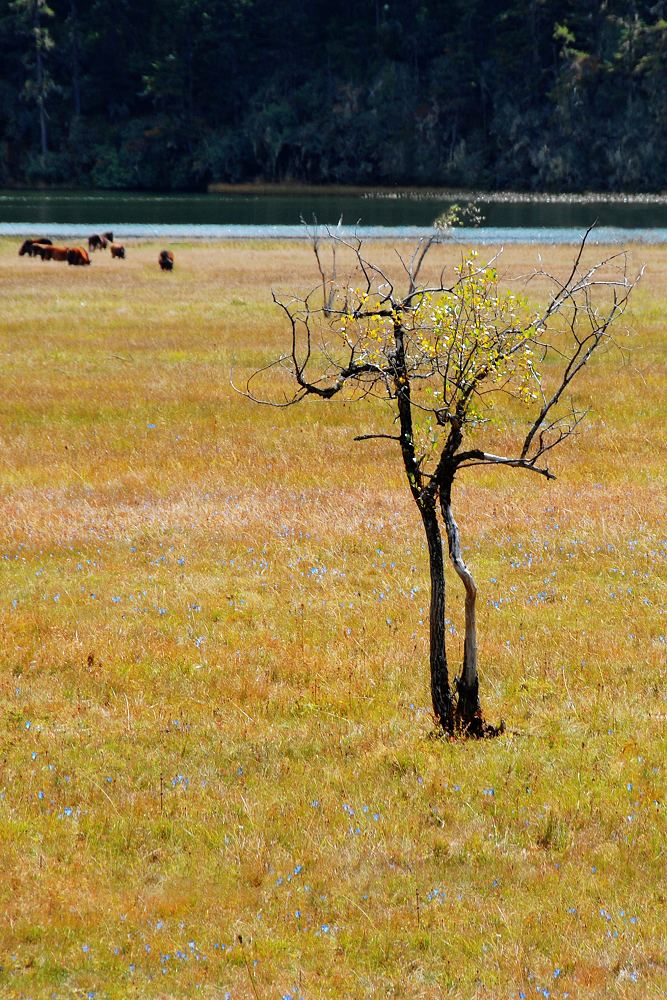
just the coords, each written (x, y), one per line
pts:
(43, 247)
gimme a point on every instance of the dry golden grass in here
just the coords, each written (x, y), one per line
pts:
(214, 673)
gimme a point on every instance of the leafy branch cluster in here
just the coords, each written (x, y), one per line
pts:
(453, 352)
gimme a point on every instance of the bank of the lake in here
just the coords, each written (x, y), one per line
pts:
(478, 236)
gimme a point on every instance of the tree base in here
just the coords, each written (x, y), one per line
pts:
(469, 719)
(477, 728)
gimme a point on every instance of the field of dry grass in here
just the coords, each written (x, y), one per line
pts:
(217, 770)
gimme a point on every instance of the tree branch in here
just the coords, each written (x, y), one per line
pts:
(371, 437)
(466, 459)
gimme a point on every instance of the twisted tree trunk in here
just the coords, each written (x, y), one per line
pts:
(468, 710)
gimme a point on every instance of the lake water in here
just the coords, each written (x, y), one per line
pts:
(506, 217)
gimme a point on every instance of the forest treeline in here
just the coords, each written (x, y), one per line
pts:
(174, 94)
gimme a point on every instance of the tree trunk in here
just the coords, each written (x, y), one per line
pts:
(75, 57)
(43, 137)
(468, 710)
(441, 695)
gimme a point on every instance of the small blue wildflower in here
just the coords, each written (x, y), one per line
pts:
(40, 795)
(85, 948)
(28, 725)
(68, 810)
(325, 928)
(33, 755)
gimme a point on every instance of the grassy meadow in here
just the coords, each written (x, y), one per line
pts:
(218, 775)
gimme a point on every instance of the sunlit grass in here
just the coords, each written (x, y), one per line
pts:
(214, 628)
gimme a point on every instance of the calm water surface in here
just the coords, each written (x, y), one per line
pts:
(217, 216)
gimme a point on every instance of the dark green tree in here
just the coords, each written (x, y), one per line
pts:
(31, 18)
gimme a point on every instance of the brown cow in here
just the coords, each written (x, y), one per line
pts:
(40, 250)
(117, 251)
(166, 260)
(77, 256)
(28, 246)
(54, 253)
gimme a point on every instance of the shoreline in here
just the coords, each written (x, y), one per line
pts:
(434, 193)
(408, 192)
(221, 233)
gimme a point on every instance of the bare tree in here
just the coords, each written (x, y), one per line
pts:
(460, 363)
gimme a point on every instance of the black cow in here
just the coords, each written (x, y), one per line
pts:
(97, 242)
